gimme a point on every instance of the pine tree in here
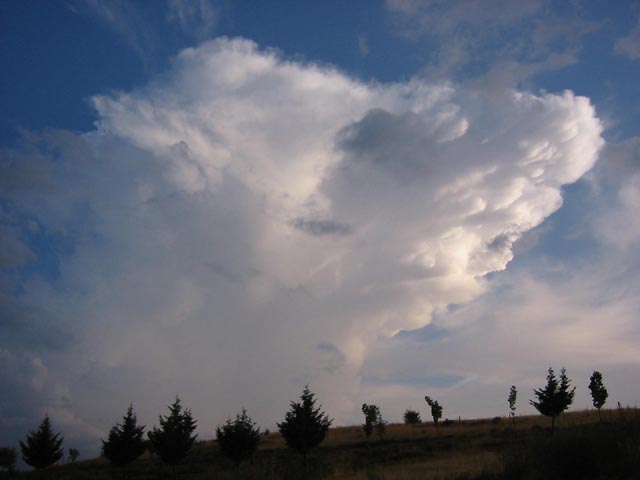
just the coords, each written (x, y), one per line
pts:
(436, 410)
(238, 440)
(173, 440)
(125, 442)
(599, 393)
(42, 448)
(513, 396)
(304, 426)
(555, 397)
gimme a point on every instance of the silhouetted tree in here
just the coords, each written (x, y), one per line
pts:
(42, 447)
(74, 453)
(372, 419)
(599, 393)
(555, 397)
(8, 459)
(436, 410)
(412, 417)
(174, 439)
(125, 442)
(239, 439)
(304, 426)
(513, 396)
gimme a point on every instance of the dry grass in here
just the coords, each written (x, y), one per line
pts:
(458, 450)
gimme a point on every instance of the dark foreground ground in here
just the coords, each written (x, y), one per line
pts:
(492, 449)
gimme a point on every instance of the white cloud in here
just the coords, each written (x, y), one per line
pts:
(246, 224)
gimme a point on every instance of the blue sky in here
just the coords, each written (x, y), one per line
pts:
(218, 198)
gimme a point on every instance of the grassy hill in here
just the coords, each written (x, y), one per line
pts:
(485, 449)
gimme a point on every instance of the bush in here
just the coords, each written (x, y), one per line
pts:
(8, 459)
(412, 417)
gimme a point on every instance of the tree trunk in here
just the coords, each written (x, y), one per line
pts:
(553, 423)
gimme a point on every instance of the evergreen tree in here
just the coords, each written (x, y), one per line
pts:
(412, 417)
(599, 393)
(239, 439)
(173, 440)
(8, 459)
(42, 447)
(436, 410)
(555, 397)
(125, 442)
(513, 396)
(304, 426)
(373, 419)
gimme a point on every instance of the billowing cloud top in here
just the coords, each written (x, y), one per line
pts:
(246, 224)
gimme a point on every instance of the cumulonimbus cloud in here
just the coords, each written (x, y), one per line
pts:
(246, 224)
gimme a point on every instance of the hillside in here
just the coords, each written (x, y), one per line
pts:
(582, 447)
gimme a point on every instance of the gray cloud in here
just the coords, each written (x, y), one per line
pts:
(13, 251)
(629, 45)
(322, 227)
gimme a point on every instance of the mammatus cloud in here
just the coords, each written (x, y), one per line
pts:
(247, 224)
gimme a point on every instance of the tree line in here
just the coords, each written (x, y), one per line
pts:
(304, 427)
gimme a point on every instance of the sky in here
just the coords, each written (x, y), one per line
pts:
(384, 200)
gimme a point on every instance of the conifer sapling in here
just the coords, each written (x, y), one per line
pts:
(174, 439)
(42, 448)
(304, 426)
(125, 443)
(238, 439)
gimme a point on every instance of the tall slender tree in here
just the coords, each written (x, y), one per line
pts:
(513, 396)
(304, 426)
(42, 448)
(555, 397)
(436, 410)
(125, 443)
(174, 439)
(599, 393)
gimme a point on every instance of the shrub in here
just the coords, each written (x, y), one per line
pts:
(8, 459)
(412, 417)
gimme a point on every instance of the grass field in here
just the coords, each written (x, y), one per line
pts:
(484, 449)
